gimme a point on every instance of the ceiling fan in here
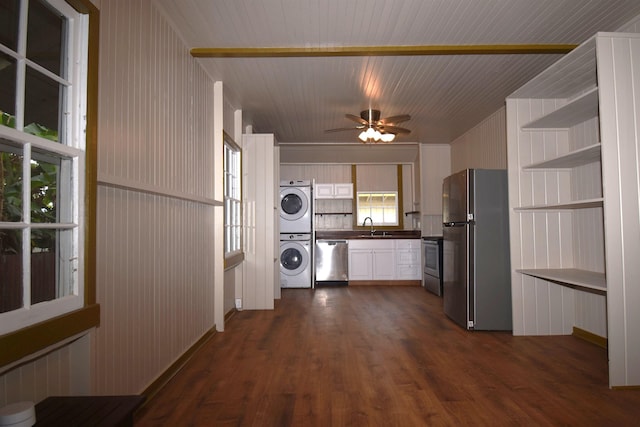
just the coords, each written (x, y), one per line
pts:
(374, 128)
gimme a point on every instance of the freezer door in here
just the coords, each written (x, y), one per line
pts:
(492, 269)
(456, 273)
(455, 198)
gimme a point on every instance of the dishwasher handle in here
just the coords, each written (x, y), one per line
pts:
(333, 242)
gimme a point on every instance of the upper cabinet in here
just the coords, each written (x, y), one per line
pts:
(573, 154)
(334, 191)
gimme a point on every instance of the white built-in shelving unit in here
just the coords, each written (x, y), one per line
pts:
(574, 177)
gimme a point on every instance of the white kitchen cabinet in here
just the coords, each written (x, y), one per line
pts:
(408, 259)
(371, 259)
(385, 259)
(323, 191)
(360, 264)
(572, 146)
(334, 191)
(383, 265)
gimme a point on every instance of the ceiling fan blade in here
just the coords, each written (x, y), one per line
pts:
(343, 129)
(393, 129)
(356, 119)
(395, 119)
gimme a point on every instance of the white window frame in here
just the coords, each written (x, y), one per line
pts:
(72, 148)
(232, 197)
(366, 211)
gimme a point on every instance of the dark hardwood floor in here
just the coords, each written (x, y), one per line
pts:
(385, 356)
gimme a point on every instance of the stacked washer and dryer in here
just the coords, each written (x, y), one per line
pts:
(296, 221)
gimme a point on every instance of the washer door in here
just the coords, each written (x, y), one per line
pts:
(294, 203)
(294, 258)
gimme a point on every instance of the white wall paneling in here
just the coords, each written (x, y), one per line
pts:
(435, 165)
(50, 373)
(218, 182)
(632, 26)
(411, 221)
(154, 285)
(482, 147)
(155, 251)
(619, 82)
(322, 173)
(260, 211)
(275, 183)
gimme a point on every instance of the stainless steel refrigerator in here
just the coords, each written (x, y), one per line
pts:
(476, 264)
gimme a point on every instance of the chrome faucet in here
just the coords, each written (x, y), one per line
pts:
(364, 223)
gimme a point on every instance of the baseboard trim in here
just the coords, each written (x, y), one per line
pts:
(175, 367)
(590, 337)
(230, 314)
(385, 283)
(625, 387)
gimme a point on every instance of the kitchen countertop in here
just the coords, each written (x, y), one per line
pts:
(364, 234)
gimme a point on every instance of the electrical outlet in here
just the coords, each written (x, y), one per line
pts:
(238, 304)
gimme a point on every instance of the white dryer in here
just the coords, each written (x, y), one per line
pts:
(295, 260)
(295, 207)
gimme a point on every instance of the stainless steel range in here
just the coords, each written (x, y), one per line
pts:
(432, 264)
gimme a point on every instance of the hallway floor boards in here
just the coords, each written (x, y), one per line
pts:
(385, 356)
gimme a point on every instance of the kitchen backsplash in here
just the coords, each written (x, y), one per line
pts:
(337, 215)
(333, 214)
(432, 225)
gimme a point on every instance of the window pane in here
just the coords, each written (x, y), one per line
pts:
(43, 265)
(10, 184)
(232, 205)
(7, 90)
(9, 18)
(52, 266)
(44, 184)
(10, 270)
(42, 105)
(381, 207)
(44, 36)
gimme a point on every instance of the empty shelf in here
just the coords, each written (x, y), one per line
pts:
(571, 277)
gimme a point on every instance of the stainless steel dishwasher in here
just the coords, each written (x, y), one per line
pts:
(332, 261)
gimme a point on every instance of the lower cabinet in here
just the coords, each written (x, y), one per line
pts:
(408, 260)
(384, 259)
(360, 264)
(371, 259)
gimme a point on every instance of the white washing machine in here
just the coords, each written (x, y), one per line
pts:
(295, 207)
(295, 260)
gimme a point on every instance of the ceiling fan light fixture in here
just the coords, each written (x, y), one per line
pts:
(374, 129)
(372, 133)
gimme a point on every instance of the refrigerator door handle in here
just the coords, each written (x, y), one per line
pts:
(456, 223)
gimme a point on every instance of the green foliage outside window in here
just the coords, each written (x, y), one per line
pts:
(44, 178)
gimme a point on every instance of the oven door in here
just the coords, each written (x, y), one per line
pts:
(431, 259)
(431, 279)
